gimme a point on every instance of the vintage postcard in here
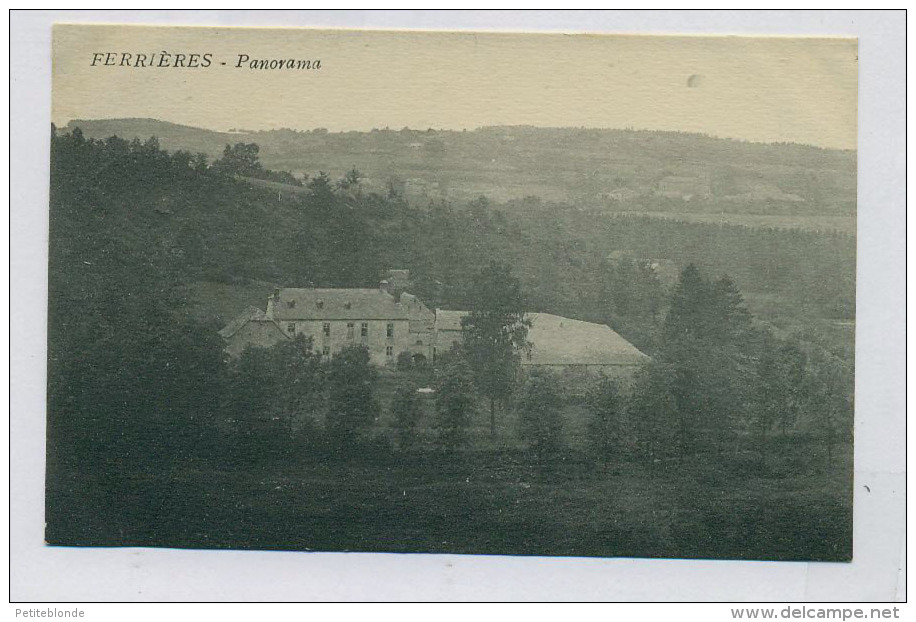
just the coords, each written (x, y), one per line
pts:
(452, 292)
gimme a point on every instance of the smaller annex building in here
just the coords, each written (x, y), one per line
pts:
(565, 346)
(251, 328)
(575, 348)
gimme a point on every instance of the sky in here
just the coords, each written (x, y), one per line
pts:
(762, 89)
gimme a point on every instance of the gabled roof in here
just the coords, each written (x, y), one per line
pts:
(561, 341)
(421, 318)
(336, 304)
(449, 320)
(251, 314)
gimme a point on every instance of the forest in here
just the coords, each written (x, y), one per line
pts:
(736, 438)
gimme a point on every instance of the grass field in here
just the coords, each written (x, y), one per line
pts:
(478, 502)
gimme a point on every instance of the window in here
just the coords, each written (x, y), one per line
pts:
(350, 330)
(319, 304)
(419, 342)
(389, 330)
(364, 329)
(291, 304)
(291, 328)
(348, 305)
(326, 351)
(326, 329)
(389, 351)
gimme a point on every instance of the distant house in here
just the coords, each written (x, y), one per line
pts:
(619, 194)
(251, 328)
(665, 269)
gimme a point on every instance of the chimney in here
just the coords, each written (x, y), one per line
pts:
(398, 282)
(384, 286)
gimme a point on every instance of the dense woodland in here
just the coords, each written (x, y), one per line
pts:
(140, 393)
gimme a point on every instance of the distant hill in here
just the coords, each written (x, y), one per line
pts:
(612, 170)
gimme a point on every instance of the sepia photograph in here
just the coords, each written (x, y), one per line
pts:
(527, 294)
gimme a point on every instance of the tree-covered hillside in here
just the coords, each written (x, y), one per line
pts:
(610, 170)
(215, 226)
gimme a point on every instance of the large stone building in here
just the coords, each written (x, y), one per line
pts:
(388, 321)
(336, 318)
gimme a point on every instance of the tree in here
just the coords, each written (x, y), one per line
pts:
(729, 319)
(709, 388)
(270, 392)
(407, 413)
(708, 355)
(350, 181)
(607, 425)
(540, 423)
(351, 402)
(688, 314)
(240, 159)
(404, 361)
(709, 311)
(199, 162)
(299, 378)
(495, 334)
(781, 377)
(828, 398)
(652, 410)
(454, 404)
(321, 191)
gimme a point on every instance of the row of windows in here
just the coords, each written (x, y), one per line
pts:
(326, 351)
(291, 304)
(351, 329)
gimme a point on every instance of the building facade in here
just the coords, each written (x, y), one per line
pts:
(389, 321)
(337, 318)
(447, 330)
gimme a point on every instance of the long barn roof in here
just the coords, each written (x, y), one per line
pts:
(561, 341)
